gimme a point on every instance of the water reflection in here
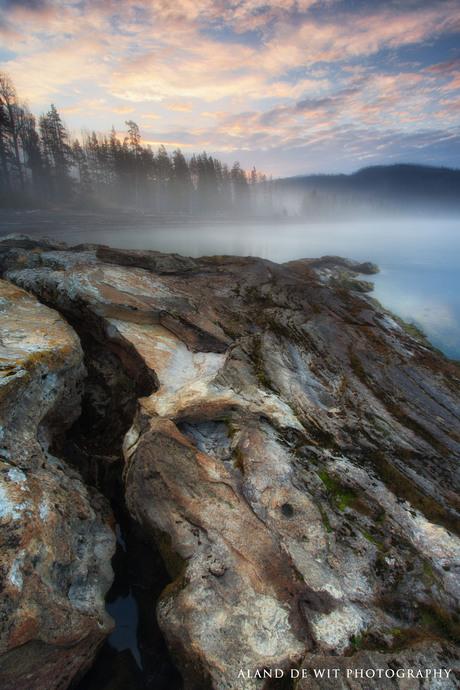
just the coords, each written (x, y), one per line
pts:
(124, 611)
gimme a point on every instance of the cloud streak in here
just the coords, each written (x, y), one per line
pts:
(250, 76)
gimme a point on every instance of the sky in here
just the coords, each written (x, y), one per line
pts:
(288, 86)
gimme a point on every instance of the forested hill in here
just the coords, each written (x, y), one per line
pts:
(401, 185)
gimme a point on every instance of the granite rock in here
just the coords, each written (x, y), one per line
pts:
(294, 456)
(55, 533)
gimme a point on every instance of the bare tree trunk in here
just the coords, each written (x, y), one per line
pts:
(13, 112)
(4, 164)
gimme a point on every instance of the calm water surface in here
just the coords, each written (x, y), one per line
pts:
(419, 259)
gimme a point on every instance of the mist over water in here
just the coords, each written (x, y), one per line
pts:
(419, 258)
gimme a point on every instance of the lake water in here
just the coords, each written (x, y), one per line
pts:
(419, 258)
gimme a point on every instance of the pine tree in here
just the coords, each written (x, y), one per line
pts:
(241, 195)
(81, 162)
(181, 184)
(12, 123)
(5, 178)
(30, 143)
(163, 172)
(57, 154)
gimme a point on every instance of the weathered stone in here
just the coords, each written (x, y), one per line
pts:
(56, 542)
(150, 261)
(295, 459)
(427, 665)
(333, 262)
(30, 243)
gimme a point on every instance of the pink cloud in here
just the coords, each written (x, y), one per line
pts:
(182, 107)
(217, 114)
(296, 79)
(122, 110)
(444, 67)
(68, 111)
(351, 36)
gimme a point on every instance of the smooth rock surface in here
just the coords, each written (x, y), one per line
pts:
(56, 543)
(295, 459)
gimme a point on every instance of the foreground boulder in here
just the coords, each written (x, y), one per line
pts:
(295, 460)
(56, 543)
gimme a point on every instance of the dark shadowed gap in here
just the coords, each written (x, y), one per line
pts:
(135, 656)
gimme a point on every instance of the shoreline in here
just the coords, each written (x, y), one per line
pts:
(425, 295)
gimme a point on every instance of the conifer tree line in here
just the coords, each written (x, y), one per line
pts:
(40, 166)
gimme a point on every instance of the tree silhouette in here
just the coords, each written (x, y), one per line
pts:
(42, 165)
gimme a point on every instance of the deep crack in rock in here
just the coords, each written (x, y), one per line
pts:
(294, 455)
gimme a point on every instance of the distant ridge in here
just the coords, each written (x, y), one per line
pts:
(402, 184)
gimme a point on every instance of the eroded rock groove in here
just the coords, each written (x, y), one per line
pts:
(293, 454)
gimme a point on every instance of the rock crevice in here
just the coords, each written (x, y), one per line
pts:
(293, 453)
(56, 538)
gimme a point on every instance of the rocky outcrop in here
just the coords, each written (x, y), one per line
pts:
(294, 456)
(56, 542)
